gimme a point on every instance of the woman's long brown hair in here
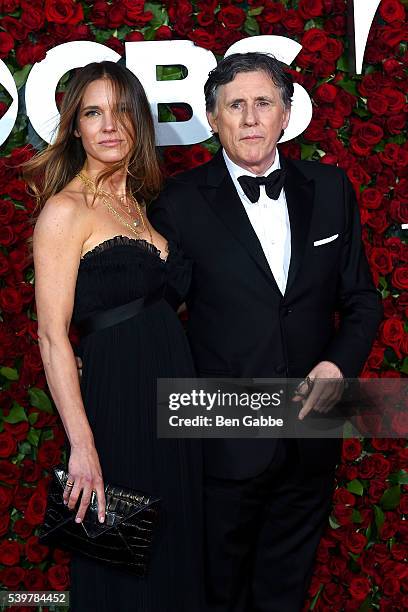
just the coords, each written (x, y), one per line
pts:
(50, 170)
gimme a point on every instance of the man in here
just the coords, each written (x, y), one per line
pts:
(272, 264)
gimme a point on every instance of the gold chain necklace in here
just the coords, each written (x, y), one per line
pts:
(104, 195)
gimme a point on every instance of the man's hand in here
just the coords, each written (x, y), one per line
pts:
(324, 390)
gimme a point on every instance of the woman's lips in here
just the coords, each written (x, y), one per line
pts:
(110, 143)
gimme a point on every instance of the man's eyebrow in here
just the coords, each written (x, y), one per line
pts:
(257, 99)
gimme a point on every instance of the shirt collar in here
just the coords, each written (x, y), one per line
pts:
(236, 171)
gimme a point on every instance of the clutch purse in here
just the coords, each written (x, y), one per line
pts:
(123, 540)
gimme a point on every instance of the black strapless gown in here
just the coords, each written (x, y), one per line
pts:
(120, 367)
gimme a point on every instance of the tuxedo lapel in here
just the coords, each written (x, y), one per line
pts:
(299, 193)
(220, 193)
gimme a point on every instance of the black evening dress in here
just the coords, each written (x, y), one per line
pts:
(120, 366)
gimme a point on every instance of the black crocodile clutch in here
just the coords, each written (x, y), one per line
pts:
(123, 540)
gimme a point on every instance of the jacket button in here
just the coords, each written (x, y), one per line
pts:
(287, 311)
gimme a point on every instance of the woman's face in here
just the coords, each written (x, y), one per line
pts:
(103, 136)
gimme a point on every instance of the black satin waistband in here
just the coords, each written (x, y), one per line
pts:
(113, 316)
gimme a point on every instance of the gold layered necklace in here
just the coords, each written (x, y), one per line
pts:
(127, 200)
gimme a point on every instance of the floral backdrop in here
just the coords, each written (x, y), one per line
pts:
(358, 123)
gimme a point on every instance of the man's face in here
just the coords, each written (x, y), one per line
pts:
(249, 117)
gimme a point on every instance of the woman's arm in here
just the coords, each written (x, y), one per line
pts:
(59, 234)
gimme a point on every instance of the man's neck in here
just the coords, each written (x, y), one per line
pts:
(259, 170)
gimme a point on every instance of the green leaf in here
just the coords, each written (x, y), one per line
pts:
(333, 523)
(253, 12)
(316, 597)
(20, 76)
(400, 477)
(16, 414)
(9, 373)
(379, 517)
(356, 516)
(355, 486)
(368, 532)
(32, 418)
(307, 150)
(40, 400)
(343, 63)
(404, 369)
(391, 498)
(25, 447)
(349, 86)
(33, 436)
(366, 605)
(160, 16)
(251, 26)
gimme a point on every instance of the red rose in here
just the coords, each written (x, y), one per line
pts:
(376, 357)
(232, 17)
(377, 104)
(395, 99)
(335, 25)
(375, 491)
(392, 332)
(6, 497)
(8, 444)
(199, 155)
(202, 38)
(163, 33)
(310, 8)
(34, 580)
(400, 277)
(22, 497)
(273, 13)
(12, 576)
(332, 50)
(4, 524)
(7, 210)
(314, 40)
(359, 146)
(351, 449)
(34, 513)
(32, 17)
(392, 10)
(6, 44)
(8, 6)
(371, 197)
(30, 53)
(293, 22)
(99, 14)
(14, 28)
(58, 577)
(378, 221)
(334, 595)
(35, 552)
(48, 454)
(10, 300)
(381, 261)
(399, 424)
(135, 13)
(355, 542)
(116, 15)
(31, 471)
(396, 123)
(9, 472)
(370, 133)
(205, 17)
(23, 529)
(9, 552)
(63, 11)
(359, 588)
(326, 93)
(382, 466)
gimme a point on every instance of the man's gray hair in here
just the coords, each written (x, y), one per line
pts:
(234, 64)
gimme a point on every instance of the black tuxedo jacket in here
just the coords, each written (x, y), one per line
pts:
(239, 323)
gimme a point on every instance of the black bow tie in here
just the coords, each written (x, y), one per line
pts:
(273, 185)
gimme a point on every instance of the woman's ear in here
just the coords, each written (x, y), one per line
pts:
(77, 134)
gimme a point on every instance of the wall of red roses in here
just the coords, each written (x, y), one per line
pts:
(357, 123)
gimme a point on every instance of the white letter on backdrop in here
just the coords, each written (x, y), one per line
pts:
(142, 59)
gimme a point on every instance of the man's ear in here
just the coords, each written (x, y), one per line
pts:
(212, 120)
(286, 117)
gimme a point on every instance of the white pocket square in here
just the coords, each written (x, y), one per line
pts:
(325, 240)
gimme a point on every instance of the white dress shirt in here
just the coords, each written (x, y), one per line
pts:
(270, 220)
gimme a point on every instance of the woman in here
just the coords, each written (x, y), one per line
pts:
(95, 250)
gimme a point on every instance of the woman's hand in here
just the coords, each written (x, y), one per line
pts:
(84, 471)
